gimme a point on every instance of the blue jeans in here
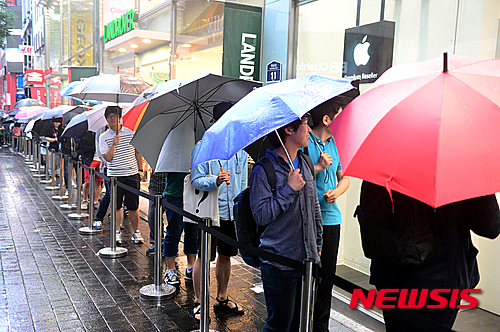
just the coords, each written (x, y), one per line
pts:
(282, 290)
(174, 231)
(103, 206)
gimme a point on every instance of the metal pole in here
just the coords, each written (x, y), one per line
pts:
(158, 291)
(113, 251)
(205, 276)
(35, 166)
(53, 185)
(24, 154)
(47, 157)
(306, 306)
(89, 229)
(28, 159)
(78, 214)
(39, 153)
(112, 226)
(69, 181)
(61, 196)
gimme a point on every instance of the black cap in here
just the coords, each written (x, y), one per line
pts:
(220, 109)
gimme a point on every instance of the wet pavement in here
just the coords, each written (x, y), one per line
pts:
(51, 278)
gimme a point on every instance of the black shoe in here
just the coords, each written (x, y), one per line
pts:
(188, 276)
(150, 251)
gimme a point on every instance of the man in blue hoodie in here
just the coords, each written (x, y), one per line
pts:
(291, 222)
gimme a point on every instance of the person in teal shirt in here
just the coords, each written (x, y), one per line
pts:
(330, 184)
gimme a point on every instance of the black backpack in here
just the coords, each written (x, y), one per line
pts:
(397, 231)
(247, 230)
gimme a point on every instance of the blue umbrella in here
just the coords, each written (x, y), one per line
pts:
(264, 110)
(67, 90)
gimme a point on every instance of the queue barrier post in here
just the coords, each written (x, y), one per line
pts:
(39, 154)
(24, 148)
(158, 291)
(89, 229)
(68, 205)
(28, 160)
(52, 185)
(61, 196)
(78, 215)
(206, 239)
(35, 166)
(48, 155)
(306, 306)
(113, 251)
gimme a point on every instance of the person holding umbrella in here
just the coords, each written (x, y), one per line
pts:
(123, 163)
(231, 180)
(291, 221)
(330, 184)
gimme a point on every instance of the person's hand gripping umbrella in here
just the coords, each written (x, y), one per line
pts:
(223, 175)
(324, 161)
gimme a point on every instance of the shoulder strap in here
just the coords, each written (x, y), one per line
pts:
(306, 150)
(309, 162)
(270, 172)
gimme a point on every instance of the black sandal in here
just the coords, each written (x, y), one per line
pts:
(195, 311)
(222, 306)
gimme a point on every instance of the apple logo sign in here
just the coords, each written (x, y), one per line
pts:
(361, 56)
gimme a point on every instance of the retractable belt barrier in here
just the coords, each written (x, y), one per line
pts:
(409, 316)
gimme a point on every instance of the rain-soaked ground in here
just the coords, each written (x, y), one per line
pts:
(52, 280)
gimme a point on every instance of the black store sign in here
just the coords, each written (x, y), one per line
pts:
(368, 50)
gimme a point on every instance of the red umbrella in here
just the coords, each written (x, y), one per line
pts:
(429, 130)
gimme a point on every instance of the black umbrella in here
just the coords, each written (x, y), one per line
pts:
(71, 114)
(45, 128)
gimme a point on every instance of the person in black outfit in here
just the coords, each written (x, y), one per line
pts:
(453, 266)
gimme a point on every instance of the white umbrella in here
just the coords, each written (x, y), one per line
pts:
(114, 88)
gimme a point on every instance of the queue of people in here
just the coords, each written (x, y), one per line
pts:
(298, 219)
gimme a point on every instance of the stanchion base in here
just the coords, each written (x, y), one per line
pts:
(45, 181)
(198, 330)
(60, 198)
(33, 166)
(28, 163)
(78, 216)
(52, 188)
(150, 293)
(87, 230)
(34, 169)
(108, 253)
(68, 206)
(38, 176)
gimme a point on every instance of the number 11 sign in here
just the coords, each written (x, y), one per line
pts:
(273, 70)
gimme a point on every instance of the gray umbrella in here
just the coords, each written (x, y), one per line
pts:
(114, 88)
(192, 102)
(56, 112)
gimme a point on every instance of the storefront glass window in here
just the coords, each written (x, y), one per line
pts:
(199, 38)
(422, 30)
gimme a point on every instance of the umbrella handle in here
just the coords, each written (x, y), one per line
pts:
(222, 170)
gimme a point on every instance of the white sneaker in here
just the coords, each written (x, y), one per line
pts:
(118, 237)
(137, 238)
(85, 205)
(171, 278)
(97, 225)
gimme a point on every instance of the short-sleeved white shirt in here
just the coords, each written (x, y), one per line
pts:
(124, 162)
